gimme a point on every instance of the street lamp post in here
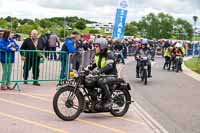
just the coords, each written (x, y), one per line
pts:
(64, 28)
(10, 21)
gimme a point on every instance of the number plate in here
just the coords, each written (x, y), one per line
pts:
(145, 58)
(145, 67)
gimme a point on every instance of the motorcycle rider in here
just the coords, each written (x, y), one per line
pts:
(152, 49)
(118, 47)
(104, 64)
(167, 55)
(180, 51)
(141, 52)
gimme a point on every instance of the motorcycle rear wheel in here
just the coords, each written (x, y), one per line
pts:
(120, 98)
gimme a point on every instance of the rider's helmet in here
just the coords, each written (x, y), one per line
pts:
(178, 45)
(103, 44)
(144, 42)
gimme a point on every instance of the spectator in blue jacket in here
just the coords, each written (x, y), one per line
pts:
(8, 48)
(71, 43)
(69, 47)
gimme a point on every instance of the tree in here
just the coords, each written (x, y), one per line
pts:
(81, 25)
(131, 29)
(3, 24)
(93, 31)
(61, 33)
(183, 29)
(25, 29)
(45, 23)
(166, 25)
(26, 21)
(14, 24)
(149, 26)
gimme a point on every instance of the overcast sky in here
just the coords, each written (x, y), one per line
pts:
(97, 10)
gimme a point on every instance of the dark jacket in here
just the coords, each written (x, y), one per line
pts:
(110, 65)
(43, 42)
(28, 45)
(118, 47)
(143, 52)
(7, 56)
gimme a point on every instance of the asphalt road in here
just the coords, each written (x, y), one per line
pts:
(31, 111)
(172, 99)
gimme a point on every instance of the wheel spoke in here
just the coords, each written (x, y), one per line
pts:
(69, 95)
(76, 107)
(64, 97)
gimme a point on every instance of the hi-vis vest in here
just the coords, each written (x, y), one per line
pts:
(167, 52)
(103, 61)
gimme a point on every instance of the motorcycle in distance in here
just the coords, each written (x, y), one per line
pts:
(153, 53)
(118, 57)
(143, 68)
(81, 94)
(177, 64)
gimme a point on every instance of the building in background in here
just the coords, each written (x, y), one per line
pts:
(197, 31)
(100, 26)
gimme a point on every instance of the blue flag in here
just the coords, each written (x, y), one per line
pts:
(120, 20)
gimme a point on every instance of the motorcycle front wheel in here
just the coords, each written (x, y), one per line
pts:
(145, 76)
(68, 103)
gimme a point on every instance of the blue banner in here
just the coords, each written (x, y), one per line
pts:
(120, 22)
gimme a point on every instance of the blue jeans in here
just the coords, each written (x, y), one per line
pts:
(122, 57)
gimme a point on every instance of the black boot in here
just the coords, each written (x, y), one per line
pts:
(36, 83)
(149, 74)
(108, 102)
(164, 66)
(137, 75)
(149, 71)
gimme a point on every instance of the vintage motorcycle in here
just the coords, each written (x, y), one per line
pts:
(144, 69)
(81, 94)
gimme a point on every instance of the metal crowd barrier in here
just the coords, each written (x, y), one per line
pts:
(87, 57)
(131, 50)
(193, 49)
(35, 68)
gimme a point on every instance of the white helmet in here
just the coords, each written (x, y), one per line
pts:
(178, 45)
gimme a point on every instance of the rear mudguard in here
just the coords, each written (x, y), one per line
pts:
(127, 88)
